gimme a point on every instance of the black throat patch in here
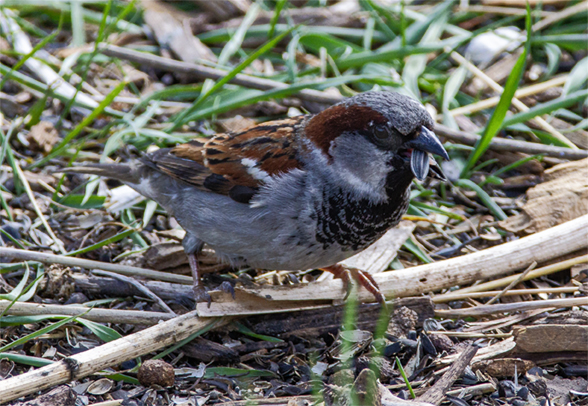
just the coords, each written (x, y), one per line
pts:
(356, 224)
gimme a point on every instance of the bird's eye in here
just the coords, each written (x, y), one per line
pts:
(381, 132)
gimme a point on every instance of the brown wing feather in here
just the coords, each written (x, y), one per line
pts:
(233, 164)
(268, 149)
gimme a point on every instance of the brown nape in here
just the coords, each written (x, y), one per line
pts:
(329, 124)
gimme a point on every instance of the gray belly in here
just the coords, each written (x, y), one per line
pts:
(278, 235)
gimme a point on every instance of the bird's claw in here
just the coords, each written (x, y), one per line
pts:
(227, 288)
(201, 295)
(365, 279)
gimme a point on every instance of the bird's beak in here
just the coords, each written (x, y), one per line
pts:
(426, 142)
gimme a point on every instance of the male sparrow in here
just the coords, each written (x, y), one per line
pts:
(301, 193)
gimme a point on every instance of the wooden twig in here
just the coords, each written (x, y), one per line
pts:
(224, 9)
(486, 264)
(498, 349)
(513, 283)
(437, 392)
(143, 289)
(467, 334)
(282, 401)
(503, 144)
(553, 338)
(485, 310)
(474, 390)
(107, 355)
(170, 28)
(450, 297)
(96, 314)
(89, 264)
(211, 73)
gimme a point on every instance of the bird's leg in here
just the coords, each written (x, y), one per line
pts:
(193, 246)
(200, 293)
(363, 278)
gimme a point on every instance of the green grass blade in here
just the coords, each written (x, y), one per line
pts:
(360, 59)
(499, 114)
(546, 108)
(104, 333)
(276, 17)
(414, 249)
(39, 333)
(81, 126)
(184, 116)
(26, 359)
(77, 24)
(235, 42)
(484, 197)
(512, 166)
(244, 330)
(450, 90)
(102, 243)
(37, 47)
(415, 64)
(405, 378)
(578, 77)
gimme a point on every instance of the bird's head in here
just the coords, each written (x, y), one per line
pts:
(377, 135)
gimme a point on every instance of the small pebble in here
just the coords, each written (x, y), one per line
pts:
(156, 372)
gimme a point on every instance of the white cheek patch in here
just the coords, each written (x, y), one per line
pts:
(254, 171)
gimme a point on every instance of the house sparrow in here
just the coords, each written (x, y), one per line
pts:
(301, 193)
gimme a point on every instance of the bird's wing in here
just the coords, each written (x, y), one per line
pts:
(233, 164)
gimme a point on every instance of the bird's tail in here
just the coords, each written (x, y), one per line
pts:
(127, 173)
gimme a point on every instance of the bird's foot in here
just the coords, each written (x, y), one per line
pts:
(201, 294)
(365, 279)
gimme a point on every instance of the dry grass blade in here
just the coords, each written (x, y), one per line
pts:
(89, 264)
(449, 297)
(516, 102)
(547, 270)
(484, 310)
(522, 92)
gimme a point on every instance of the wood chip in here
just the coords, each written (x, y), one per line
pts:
(562, 197)
(503, 367)
(551, 338)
